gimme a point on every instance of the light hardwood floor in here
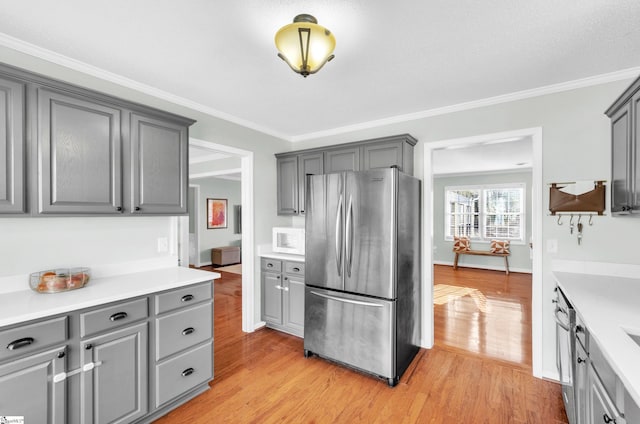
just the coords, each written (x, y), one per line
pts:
(263, 377)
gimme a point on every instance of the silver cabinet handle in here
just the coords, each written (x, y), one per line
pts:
(349, 235)
(187, 372)
(186, 298)
(339, 237)
(188, 330)
(342, 299)
(296, 269)
(282, 288)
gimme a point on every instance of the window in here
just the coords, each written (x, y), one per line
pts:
(485, 212)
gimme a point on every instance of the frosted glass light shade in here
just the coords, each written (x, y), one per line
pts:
(305, 45)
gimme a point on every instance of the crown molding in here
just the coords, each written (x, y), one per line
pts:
(62, 60)
(505, 98)
(77, 65)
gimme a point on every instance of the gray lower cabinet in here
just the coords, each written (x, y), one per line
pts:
(114, 385)
(126, 362)
(28, 387)
(283, 295)
(12, 147)
(182, 345)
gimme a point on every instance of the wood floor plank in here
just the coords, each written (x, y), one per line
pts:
(263, 377)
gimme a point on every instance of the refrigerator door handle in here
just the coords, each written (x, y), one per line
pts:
(349, 235)
(344, 300)
(339, 237)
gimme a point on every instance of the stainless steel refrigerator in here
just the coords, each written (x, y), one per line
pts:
(362, 270)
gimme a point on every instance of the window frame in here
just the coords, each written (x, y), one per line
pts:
(481, 188)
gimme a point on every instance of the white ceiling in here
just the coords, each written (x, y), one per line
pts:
(392, 58)
(498, 155)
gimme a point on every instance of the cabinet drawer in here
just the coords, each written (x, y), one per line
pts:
(296, 268)
(113, 316)
(183, 373)
(32, 337)
(271, 264)
(179, 298)
(182, 329)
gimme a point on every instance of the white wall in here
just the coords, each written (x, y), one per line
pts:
(217, 188)
(519, 260)
(34, 244)
(576, 146)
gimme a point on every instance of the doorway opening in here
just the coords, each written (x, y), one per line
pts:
(438, 246)
(205, 167)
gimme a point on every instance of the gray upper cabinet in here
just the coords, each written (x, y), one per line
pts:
(625, 152)
(159, 165)
(383, 154)
(308, 164)
(287, 185)
(79, 147)
(65, 150)
(344, 159)
(12, 147)
(294, 167)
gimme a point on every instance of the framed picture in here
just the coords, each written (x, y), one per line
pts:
(216, 213)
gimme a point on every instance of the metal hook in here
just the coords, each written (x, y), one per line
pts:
(571, 220)
(591, 219)
(579, 218)
(559, 219)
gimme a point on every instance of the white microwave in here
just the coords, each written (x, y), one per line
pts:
(288, 240)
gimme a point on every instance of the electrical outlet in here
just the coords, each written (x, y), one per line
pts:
(552, 246)
(163, 244)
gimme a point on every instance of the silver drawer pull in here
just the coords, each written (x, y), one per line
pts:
(269, 265)
(17, 344)
(296, 269)
(186, 298)
(188, 372)
(118, 316)
(187, 331)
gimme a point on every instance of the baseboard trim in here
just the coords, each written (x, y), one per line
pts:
(487, 267)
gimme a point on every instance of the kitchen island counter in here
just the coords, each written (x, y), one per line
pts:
(609, 307)
(25, 305)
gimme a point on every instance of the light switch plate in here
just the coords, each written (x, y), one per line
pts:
(163, 244)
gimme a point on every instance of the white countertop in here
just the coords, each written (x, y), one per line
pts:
(282, 256)
(609, 305)
(26, 305)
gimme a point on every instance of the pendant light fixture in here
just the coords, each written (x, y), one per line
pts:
(305, 45)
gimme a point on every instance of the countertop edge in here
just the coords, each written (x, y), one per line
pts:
(27, 305)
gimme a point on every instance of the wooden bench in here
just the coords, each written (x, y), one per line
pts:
(480, 253)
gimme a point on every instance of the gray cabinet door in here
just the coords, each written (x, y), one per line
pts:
(27, 388)
(159, 165)
(581, 388)
(115, 390)
(294, 304)
(287, 169)
(383, 155)
(272, 297)
(308, 164)
(620, 155)
(635, 149)
(12, 147)
(79, 149)
(345, 159)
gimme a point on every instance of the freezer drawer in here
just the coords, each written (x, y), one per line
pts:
(355, 330)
